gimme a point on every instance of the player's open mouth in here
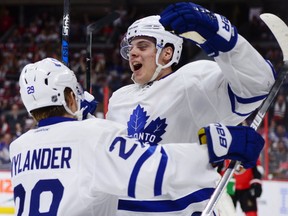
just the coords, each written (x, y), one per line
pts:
(136, 66)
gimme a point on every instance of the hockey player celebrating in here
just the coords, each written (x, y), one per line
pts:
(69, 167)
(163, 105)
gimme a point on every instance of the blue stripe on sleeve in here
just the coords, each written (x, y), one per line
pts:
(232, 97)
(272, 68)
(165, 205)
(160, 173)
(135, 172)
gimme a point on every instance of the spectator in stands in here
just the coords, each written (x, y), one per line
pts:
(15, 117)
(4, 126)
(5, 141)
(279, 133)
(18, 130)
(279, 111)
(5, 105)
(283, 169)
(78, 64)
(278, 159)
(6, 21)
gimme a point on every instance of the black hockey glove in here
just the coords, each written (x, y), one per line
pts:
(256, 189)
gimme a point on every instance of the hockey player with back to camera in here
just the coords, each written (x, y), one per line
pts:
(164, 105)
(69, 166)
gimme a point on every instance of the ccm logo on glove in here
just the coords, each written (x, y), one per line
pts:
(221, 138)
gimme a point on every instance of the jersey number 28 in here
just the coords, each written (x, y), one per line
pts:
(48, 185)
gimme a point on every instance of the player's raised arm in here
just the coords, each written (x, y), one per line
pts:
(244, 74)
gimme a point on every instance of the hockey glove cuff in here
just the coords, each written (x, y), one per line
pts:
(239, 143)
(212, 32)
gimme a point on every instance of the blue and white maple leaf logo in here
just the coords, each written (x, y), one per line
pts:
(150, 134)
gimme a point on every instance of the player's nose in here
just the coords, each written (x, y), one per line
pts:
(133, 52)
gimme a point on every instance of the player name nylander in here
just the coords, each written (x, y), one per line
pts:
(43, 158)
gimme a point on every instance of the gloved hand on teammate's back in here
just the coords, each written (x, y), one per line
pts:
(212, 32)
(89, 105)
(240, 143)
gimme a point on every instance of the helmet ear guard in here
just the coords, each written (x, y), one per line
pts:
(151, 27)
(42, 84)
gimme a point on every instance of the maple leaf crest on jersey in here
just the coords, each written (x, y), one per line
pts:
(150, 134)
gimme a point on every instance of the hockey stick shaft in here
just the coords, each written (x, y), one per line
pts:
(93, 28)
(65, 32)
(280, 31)
(88, 60)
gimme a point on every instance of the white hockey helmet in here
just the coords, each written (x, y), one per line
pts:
(151, 27)
(42, 84)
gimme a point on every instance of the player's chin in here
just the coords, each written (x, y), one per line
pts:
(139, 78)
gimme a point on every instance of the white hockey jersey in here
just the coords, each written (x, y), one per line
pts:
(78, 168)
(175, 107)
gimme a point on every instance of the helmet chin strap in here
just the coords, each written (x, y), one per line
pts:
(78, 114)
(156, 73)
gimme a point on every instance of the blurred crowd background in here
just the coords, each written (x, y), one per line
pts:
(30, 31)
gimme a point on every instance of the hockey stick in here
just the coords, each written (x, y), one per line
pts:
(65, 32)
(280, 31)
(93, 28)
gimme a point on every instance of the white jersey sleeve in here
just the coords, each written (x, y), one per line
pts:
(230, 90)
(247, 72)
